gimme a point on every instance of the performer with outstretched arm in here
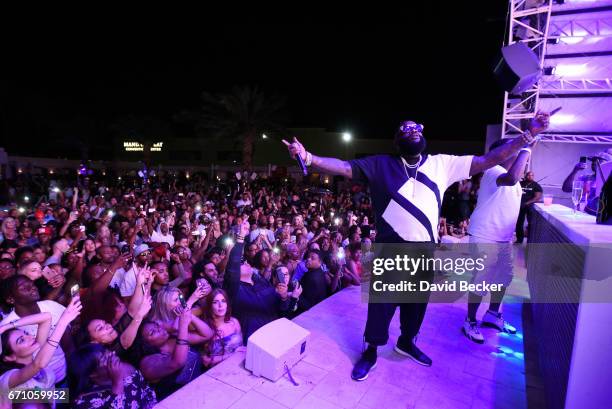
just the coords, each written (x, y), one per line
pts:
(407, 191)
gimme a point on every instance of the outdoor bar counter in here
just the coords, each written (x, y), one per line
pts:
(569, 264)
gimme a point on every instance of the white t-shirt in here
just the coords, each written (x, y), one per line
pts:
(162, 238)
(44, 379)
(497, 208)
(117, 278)
(128, 284)
(57, 364)
(407, 200)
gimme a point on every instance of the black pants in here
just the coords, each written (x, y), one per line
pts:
(379, 319)
(525, 213)
(412, 313)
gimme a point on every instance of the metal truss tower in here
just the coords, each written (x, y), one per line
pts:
(528, 23)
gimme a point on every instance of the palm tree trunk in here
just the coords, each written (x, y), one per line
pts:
(247, 150)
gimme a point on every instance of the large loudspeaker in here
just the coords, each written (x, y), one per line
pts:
(518, 68)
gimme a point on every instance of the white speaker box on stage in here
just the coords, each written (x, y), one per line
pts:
(274, 347)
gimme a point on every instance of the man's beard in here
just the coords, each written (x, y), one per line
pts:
(409, 148)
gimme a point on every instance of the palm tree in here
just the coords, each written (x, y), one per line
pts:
(240, 114)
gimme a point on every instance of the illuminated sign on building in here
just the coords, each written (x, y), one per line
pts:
(138, 147)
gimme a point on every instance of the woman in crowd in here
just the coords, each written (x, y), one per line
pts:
(22, 296)
(89, 250)
(9, 229)
(25, 357)
(227, 336)
(168, 363)
(118, 337)
(102, 380)
(168, 307)
(31, 269)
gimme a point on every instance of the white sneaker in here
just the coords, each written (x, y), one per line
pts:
(470, 329)
(496, 320)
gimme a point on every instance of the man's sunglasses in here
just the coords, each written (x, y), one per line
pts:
(407, 127)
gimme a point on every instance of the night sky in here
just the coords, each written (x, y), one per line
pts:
(433, 64)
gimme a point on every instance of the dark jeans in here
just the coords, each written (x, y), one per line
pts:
(379, 319)
(525, 213)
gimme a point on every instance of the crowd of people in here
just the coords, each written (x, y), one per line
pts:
(124, 290)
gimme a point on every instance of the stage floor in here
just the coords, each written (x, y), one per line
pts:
(502, 373)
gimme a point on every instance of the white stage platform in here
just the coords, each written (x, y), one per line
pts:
(464, 375)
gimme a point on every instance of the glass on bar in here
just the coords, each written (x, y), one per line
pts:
(548, 199)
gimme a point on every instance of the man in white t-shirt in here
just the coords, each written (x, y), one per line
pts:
(491, 231)
(142, 256)
(24, 296)
(243, 201)
(163, 234)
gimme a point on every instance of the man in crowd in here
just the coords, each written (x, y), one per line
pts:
(406, 193)
(313, 281)
(163, 234)
(532, 193)
(588, 180)
(142, 257)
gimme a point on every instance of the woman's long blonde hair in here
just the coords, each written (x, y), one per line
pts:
(5, 222)
(161, 311)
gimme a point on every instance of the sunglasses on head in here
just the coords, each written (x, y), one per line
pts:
(407, 127)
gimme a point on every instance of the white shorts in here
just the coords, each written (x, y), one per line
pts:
(497, 261)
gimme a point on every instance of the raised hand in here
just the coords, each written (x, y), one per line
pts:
(143, 275)
(195, 296)
(540, 123)
(57, 281)
(120, 261)
(297, 291)
(282, 290)
(580, 166)
(145, 307)
(72, 310)
(185, 317)
(295, 148)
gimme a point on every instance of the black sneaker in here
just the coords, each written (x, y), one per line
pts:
(411, 351)
(366, 363)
